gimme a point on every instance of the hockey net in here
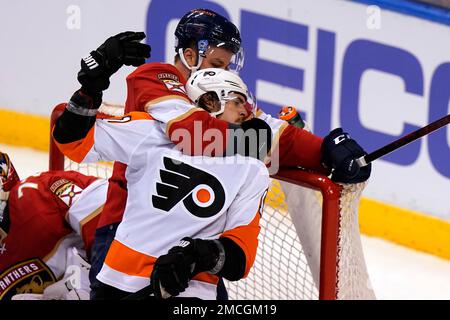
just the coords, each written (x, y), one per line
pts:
(309, 244)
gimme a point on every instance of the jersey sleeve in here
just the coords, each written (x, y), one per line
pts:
(83, 215)
(158, 89)
(152, 83)
(111, 139)
(293, 146)
(244, 214)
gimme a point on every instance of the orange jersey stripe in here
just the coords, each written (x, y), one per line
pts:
(126, 260)
(139, 115)
(131, 116)
(247, 238)
(77, 150)
(134, 263)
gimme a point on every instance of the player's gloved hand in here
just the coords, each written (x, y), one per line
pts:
(122, 49)
(74, 284)
(339, 153)
(173, 271)
(263, 133)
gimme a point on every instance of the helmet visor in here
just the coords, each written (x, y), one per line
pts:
(236, 60)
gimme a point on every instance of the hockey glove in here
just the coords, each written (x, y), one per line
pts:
(173, 271)
(256, 140)
(74, 284)
(339, 153)
(122, 49)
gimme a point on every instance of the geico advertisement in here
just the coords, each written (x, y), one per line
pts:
(377, 73)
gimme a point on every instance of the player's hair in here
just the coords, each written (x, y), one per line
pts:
(191, 44)
(206, 99)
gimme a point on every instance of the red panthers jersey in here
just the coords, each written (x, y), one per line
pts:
(48, 213)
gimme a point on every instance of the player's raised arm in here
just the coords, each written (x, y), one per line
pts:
(74, 130)
(79, 116)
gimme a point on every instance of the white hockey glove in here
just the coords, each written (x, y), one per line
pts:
(74, 285)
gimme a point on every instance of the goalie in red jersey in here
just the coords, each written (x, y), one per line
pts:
(47, 223)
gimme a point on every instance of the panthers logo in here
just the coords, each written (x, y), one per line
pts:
(30, 276)
(36, 285)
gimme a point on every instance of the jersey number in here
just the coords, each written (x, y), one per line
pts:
(26, 185)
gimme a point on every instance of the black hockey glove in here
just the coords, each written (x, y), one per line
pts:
(122, 49)
(339, 153)
(173, 271)
(256, 140)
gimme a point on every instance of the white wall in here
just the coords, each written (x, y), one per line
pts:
(41, 55)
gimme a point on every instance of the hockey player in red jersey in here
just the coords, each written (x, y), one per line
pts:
(47, 221)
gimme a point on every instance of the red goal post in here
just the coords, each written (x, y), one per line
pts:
(329, 257)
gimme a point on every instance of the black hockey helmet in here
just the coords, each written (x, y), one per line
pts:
(207, 25)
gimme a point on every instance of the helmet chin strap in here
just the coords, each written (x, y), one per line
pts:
(191, 68)
(222, 109)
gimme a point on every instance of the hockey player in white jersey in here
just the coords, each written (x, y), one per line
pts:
(212, 205)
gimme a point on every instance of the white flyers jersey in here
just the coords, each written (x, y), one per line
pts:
(171, 196)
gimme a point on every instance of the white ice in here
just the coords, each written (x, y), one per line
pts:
(396, 272)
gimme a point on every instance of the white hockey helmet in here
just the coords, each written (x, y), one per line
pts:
(220, 81)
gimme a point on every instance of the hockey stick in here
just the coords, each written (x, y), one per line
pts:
(397, 144)
(141, 294)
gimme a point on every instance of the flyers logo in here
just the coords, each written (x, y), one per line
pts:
(202, 193)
